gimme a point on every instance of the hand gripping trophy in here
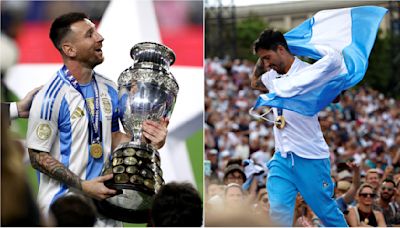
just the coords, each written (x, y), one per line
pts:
(147, 91)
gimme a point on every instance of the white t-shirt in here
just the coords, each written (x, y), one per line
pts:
(59, 124)
(302, 134)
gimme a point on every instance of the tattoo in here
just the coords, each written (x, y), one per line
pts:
(259, 84)
(46, 164)
(259, 71)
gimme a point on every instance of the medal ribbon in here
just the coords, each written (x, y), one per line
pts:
(280, 111)
(93, 120)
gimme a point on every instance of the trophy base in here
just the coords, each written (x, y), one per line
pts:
(130, 206)
(137, 176)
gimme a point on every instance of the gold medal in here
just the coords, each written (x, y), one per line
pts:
(96, 150)
(280, 122)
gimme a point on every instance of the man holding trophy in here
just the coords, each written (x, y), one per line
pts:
(73, 124)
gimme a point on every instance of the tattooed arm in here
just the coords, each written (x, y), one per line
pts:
(256, 82)
(46, 164)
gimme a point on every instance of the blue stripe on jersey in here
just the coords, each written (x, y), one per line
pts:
(52, 96)
(42, 113)
(114, 101)
(64, 126)
(55, 95)
(38, 176)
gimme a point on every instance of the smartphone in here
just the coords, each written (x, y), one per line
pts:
(207, 168)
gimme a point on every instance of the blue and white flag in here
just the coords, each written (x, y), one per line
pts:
(341, 40)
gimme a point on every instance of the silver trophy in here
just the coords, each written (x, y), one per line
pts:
(147, 91)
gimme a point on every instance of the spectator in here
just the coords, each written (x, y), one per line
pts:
(373, 178)
(363, 214)
(396, 205)
(73, 210)
(387, 192)
(234, 174)
(304, 216)
(234, 197)
(346, 191)
(177, 204)
(17, 202)
(262, 205)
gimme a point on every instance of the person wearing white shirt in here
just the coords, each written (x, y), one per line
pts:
(301, 159)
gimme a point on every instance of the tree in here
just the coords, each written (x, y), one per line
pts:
(247, 32)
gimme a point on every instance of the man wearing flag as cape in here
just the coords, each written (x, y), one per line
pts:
(340, 40)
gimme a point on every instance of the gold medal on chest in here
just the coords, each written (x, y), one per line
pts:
(96, 150)
(280, 122)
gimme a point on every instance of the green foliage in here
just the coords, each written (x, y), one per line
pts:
(379, 65)
(247, 32)
(221, 40)
(382, 73)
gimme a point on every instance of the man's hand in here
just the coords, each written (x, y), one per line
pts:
(24, 105)
(156, 132)
(353, 166)
(95, 188)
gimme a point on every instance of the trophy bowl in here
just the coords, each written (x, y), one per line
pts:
(146, 91)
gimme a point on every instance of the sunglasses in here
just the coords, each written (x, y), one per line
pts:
(387, 188)
(372, 195)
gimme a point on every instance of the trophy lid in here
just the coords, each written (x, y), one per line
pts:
(151, 52)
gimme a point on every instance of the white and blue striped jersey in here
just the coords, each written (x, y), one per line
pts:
(302, 135)
(59, 124)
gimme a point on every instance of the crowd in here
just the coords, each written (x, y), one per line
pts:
(362, 131)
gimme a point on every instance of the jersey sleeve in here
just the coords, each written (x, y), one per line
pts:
(43, 119)
(266, 79)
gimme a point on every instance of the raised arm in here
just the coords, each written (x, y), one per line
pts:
(351, 193)
(256, 82)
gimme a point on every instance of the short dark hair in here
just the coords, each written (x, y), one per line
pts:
(269, 40)
(388, 180)
(74, 210)
(177, 204)
(61, 26)
(234, 168)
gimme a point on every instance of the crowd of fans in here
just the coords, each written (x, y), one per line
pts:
(362, 132)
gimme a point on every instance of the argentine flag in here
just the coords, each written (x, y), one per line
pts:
(341, 40)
